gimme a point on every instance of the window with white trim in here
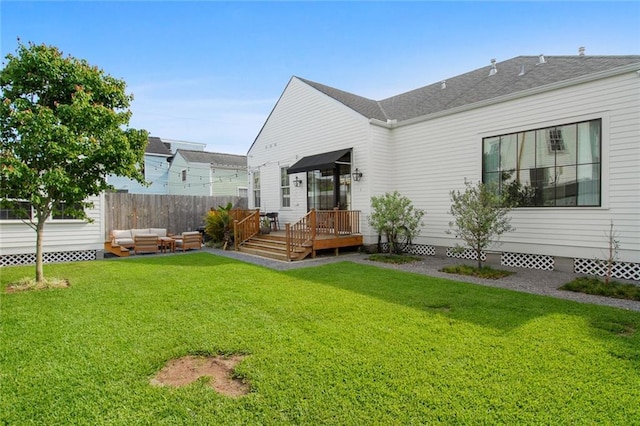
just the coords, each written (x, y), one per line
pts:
(555, 143)
(285, 189)
(256, 189)
(23, 210)
(17, 210)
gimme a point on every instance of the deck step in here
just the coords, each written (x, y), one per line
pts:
(272, 247)
(119, 251)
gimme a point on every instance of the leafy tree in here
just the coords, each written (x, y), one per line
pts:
(480, 217)
(395, 217)
(63, 128)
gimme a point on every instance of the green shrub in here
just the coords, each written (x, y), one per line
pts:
(394, 216)
(483, 272)
(393, 258)
(594, 285)
(219, 223)
(480, 216)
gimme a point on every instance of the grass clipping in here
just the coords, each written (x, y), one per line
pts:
(28, 284)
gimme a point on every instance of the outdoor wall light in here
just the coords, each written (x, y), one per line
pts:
(297, 181)
(356, 175)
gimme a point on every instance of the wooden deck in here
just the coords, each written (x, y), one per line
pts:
(273, 245)
(318, 230)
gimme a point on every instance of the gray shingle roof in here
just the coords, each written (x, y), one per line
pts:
(367, 107)
(478, 85)
(233, 161)
(156, 146)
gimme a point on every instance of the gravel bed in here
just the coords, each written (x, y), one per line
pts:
(532, 281)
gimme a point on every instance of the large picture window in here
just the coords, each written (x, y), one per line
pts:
(551, 167)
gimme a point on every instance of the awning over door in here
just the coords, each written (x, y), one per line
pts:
(326, 160)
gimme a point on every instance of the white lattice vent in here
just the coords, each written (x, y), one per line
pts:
(528, 261)
(623, 270)
(421, 249)
(465, 254)
(55, 257)
(417, 249)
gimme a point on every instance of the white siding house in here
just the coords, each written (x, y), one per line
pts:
(64, 239)
(565, 127)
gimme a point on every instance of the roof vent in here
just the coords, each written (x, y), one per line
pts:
(521, 73)
(581, 51)
(541, 60)
(443, 84)
(493, 70)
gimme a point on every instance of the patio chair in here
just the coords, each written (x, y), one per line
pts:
(273, 219)
(145, 243)
(188, 240)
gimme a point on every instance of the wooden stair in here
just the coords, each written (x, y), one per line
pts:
(273, 247)
(119, 251)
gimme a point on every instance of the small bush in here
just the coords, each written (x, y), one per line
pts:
(394, 217)
(393, 258)
(219, 223)
(593, 285)
(483, 272)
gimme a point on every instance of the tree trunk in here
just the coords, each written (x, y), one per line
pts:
(478, 256)
(39, 236)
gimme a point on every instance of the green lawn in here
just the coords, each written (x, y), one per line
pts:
(335, 344)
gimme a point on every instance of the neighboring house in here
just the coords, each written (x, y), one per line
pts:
(65, 239)
(208, 173)
(185, 168)
(158, 156)
(157, 161)
(566, 128)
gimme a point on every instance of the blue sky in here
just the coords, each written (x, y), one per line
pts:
(212, 71)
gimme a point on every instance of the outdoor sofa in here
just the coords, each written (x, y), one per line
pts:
(153, 240)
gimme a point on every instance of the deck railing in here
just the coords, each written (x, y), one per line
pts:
(338, 222)
(246, 228)
(300, 233)
(321, 222)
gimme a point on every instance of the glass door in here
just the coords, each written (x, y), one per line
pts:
(329, 188)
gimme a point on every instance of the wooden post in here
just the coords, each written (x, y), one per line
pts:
(312, 225)
(287, 228)
(235, 234)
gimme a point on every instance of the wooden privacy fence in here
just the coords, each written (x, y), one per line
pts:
(176, 213)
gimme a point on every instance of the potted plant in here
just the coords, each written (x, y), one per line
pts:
(265, 225)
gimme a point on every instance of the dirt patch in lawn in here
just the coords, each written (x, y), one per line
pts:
(188, 369)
